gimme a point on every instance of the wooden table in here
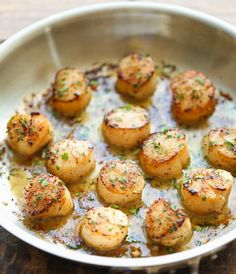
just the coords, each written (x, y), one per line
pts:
(15, 255)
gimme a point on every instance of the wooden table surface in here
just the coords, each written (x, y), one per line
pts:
(17, 256)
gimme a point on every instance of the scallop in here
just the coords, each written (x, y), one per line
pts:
(126, 126)
(120, 182)
(46, 196)
(167, 225)
(164, 154)
(104, 228)
(137, 77)
(206, 191)
(28, 133)
(193, 97)
(71, 92)
(219, 147)
(71, 160)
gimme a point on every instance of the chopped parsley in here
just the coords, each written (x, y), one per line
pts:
(230, 145)
(127, 107)
(198, 228)
(38, 197)
(199, 177)
(195, 94)
(180, 96)
(156, 146)
(136, 151)
(133, 210)
(61, 91)
(93, 84)
(173, 228)
(122, 180)
(24, 123)
(114, 206)
(38, 163)
(169, 250)
(176, 185)
(135, 85)
(65, 156)
(74, 247)
(200, 80)
(179, 135)
(44, 182)
(123, 187)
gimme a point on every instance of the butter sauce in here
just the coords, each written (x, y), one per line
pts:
(87, 126)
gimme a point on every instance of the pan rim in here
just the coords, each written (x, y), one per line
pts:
(17, 40)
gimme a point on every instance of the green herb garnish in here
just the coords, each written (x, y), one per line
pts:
(135, 85)
(65, 156)
(133, 210)
(38, 197)
(127, 107)
(114, 206)
(61, 91)
(44, 182)
(179, 135)
(179, 96)
(230, 145)
(200, 80)
(169, 250)
(198, 228)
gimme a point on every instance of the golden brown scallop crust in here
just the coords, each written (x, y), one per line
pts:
(126, 126)
(42, 192)
(126, 178)
(137, 76)
(167, 225)
(219, 147)
(104, 228)
(71, 92)
(164, 154)
(120, 182)
(71, 159)
(139, 114)
(193, 96)
(28, 133)
(204, 191)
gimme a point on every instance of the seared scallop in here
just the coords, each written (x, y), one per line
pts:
(28, 133)
(164, 154)
(120, 182)
(219, 147)
(71, 160)
(205, 191)
(104, 228)
(46, 196)
(71, 92)
(137, 76)
(126, 126)
(167, 225)
(193, 97)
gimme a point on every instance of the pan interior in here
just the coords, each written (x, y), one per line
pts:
(105, 36)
